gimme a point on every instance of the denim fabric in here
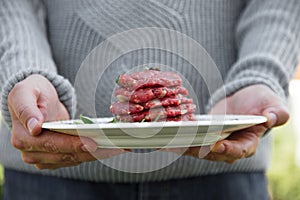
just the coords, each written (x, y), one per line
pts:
(233, 186)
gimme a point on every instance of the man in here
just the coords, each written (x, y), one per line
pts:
(253, 43)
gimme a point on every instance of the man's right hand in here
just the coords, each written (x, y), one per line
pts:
(34, 101)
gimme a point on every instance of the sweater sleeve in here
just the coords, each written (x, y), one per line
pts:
(24, 50)
(267, 38)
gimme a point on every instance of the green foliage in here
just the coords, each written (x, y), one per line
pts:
(86, 119)
(1, 181)
(284, 174)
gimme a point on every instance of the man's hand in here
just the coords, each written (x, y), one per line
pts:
(252, 100)
(33, 101)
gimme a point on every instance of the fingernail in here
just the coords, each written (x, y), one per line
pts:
(89, 148)
(31, 124)
(272, 118)
(218, 148)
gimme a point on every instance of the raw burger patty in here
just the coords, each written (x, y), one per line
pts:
(158, 113)
(123, 108)
(167, 101)
(186, 117)
(146, 94)
(149, 78)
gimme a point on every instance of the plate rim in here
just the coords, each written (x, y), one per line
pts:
(248, 119)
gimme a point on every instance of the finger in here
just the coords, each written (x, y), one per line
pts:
(51, 158)
(101, 153)
(59, 158)
(276, 116)
(52, 142)
(220, 158)
(197, 152)
(239, 145)
(23, 106)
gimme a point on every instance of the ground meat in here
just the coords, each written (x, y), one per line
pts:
(123, 108)
(149, 78)
(186, 117)
(137, 96)
(147, 94)
(152, 95)
(158, 113)
(167, 101)
(161, 92)
(172, 111)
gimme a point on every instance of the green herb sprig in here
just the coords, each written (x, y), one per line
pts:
(86, 119)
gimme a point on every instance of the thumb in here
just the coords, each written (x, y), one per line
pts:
(24, 108)
(276, 115)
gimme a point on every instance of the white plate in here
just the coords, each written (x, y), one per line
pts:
(207, 130)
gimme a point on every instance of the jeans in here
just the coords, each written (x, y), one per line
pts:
(230, 186)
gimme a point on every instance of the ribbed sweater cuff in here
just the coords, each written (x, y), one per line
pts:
(63, 87)
(251, 71)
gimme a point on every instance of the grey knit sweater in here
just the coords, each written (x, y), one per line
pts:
(251, 41)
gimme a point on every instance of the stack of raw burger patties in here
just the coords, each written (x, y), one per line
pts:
(152, 96)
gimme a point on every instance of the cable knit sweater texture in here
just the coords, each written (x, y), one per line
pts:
(251, 42)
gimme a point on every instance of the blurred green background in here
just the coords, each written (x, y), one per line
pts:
(284, 175)
(1, 181)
